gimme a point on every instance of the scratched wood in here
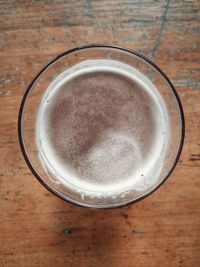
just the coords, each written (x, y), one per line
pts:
(38, 229)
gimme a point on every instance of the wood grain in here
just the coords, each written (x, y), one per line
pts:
(36, 228)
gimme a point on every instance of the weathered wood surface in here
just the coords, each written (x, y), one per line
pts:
(38, 229)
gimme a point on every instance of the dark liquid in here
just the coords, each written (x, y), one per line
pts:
(103, 128)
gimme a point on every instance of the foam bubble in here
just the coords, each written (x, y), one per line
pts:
(101, 124)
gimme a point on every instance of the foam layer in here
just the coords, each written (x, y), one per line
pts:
(101, 126)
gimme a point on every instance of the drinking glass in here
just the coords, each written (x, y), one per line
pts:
(29, 110)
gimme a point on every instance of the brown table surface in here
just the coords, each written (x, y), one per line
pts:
(38, 229)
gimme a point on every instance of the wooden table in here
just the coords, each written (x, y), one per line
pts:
(38, 229)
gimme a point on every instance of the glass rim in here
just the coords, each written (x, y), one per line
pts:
(67, 52)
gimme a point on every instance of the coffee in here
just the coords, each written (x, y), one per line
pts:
(101, 127)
